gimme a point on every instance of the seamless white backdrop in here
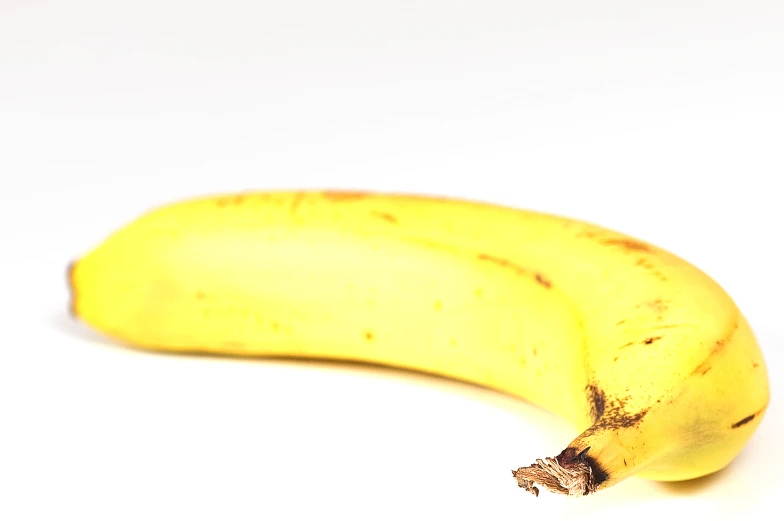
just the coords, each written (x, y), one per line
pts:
(661, 119)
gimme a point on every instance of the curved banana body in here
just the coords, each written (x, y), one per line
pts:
(648, 357)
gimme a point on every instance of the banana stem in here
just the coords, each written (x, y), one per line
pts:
(568, 473)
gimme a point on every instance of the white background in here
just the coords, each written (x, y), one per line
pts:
(663, 119)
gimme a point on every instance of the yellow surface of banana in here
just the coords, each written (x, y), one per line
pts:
(645, 355)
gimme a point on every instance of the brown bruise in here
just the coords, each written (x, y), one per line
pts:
(597, 401)
(610, 413)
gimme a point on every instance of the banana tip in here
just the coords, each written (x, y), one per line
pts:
(69, 276)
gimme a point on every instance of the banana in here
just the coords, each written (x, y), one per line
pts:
(649, 359)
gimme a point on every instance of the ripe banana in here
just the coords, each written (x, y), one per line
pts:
(644, 354)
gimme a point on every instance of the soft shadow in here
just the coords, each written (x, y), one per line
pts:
(65, 323)
(696, 486)
(71, 326)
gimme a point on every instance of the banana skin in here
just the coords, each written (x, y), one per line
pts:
(642, 352)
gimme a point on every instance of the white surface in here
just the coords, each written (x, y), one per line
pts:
(661, 119)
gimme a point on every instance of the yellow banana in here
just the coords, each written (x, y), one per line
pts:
(647, 356)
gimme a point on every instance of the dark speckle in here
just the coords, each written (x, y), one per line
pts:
(651, 339)
(369, 336)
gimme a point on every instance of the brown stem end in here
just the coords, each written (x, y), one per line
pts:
(569, 473)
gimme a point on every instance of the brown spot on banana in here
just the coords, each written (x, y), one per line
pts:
(627, 244)
(747, 419)
(384, 216)
(538, 277)
(658, 305)
(296, 202)
(543, 281)
(646, 264)
(610, 413)
(742, 422)
(704, 366)
(596, 400)
(343, 195)
(615, 418)
(369, 336)
(648, 341)
(230, 200)
(502, 262)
